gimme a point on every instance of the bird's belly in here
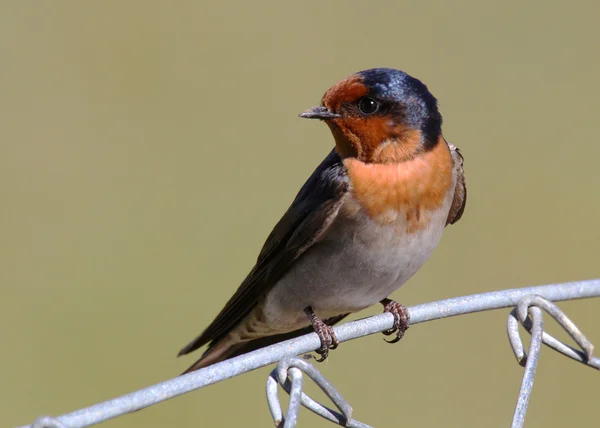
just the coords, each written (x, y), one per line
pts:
(360, 263)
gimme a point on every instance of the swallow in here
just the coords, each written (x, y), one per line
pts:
(366, 220)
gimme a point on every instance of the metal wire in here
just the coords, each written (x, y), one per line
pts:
(530, 367)
(532, 305)
(292, 367)
(47, 422)
(520, 314)
(352, 330)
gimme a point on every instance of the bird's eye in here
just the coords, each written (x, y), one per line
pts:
(368, 105)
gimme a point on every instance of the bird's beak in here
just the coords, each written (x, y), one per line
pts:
(320, 112)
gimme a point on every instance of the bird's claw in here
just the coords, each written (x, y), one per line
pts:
(328, 340)
(326, 334)
(401, 319)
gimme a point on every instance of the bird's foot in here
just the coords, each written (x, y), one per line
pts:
(401, 319)
(325, 333)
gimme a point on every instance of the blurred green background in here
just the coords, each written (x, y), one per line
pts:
(147, 148)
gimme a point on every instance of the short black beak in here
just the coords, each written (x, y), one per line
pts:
(319, 113)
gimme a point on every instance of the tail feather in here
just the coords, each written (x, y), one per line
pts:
(214, 354)
(228, 348)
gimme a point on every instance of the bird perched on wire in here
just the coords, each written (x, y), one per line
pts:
(365, 221)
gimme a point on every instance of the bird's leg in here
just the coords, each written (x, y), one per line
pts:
(401, 319)
(325, 333)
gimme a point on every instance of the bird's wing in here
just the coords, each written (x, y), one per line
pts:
(304, 224)
(460, 191)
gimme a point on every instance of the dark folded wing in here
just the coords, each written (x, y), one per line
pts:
(460, 191)
(304, 224)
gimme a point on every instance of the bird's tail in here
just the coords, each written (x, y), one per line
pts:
(220, 351)
(229, 347)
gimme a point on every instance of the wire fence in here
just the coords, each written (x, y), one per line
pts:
(528, 305)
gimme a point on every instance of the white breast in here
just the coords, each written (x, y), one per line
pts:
(358, 264)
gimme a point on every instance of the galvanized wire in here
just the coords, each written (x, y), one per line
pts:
(535, 346)
(520, 314)
(288, 374)
(532, 305)
(421, 313)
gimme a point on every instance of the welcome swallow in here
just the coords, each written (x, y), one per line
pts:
(365, 221)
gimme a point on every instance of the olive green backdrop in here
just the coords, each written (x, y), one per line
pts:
(147, 148)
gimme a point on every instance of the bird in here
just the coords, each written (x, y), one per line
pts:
(364, 222)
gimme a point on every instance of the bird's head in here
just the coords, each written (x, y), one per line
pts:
(380, 115)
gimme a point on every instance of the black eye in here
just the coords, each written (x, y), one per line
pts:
(368, 105)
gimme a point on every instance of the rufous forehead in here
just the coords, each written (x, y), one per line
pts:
(347, 90)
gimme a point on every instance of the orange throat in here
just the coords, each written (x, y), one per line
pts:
(407, 189)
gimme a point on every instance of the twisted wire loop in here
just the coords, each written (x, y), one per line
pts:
(288, 374)
(528, 312)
